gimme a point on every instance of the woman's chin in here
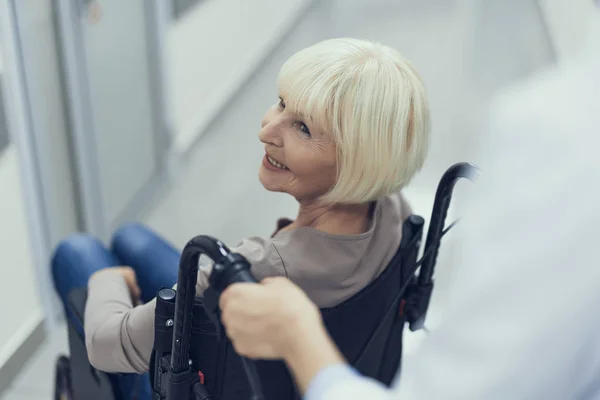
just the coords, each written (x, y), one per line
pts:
(267, 183)
(271, 188)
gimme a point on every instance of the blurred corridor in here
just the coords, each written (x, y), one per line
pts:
(466, 50)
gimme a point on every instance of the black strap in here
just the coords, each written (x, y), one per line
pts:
(210, 302)
(369, 361)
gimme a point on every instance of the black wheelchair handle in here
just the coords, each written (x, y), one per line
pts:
(419, 293)
(186, 293)
(441, 204)
(233, 268)
(228, 268)
(253, 378)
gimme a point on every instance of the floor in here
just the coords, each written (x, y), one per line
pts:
(464, 56)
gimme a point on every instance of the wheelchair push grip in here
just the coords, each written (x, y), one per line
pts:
(420, 293)
(443, 197)
(233, 268)
(228, 268)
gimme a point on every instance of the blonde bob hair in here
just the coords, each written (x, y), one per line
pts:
(372, 102)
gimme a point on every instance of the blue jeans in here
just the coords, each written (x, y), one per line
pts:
(154, 260)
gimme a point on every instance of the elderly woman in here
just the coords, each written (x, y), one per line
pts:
(348, 132)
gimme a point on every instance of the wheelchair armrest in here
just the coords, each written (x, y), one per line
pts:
(88, 383)
(76, 302)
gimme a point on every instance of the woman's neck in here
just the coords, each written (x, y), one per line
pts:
(337, 219)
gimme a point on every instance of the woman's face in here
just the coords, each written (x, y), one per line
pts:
(300, 158)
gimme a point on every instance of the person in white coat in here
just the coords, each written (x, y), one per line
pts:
(522, 318)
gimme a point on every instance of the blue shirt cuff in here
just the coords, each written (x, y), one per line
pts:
(326, 378)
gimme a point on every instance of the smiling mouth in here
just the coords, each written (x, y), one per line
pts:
(276, 164)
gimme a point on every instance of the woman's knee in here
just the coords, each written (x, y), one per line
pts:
(74, 246)
(133, 238)
(78, 256)
(138, 245)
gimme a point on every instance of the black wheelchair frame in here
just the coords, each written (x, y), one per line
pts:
(172, 372)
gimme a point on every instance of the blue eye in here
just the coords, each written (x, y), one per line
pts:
(304, 128)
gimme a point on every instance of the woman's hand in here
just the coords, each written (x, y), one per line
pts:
(129, 277)
(276, 320)
(266, 320)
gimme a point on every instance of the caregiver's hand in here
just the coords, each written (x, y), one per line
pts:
(265, 320)
(276, 320)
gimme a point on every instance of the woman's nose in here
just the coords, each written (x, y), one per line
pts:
(271, 132)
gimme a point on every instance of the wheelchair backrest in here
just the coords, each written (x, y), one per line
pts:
(361, 327)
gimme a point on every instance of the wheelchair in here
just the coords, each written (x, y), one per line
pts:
(192, 358)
